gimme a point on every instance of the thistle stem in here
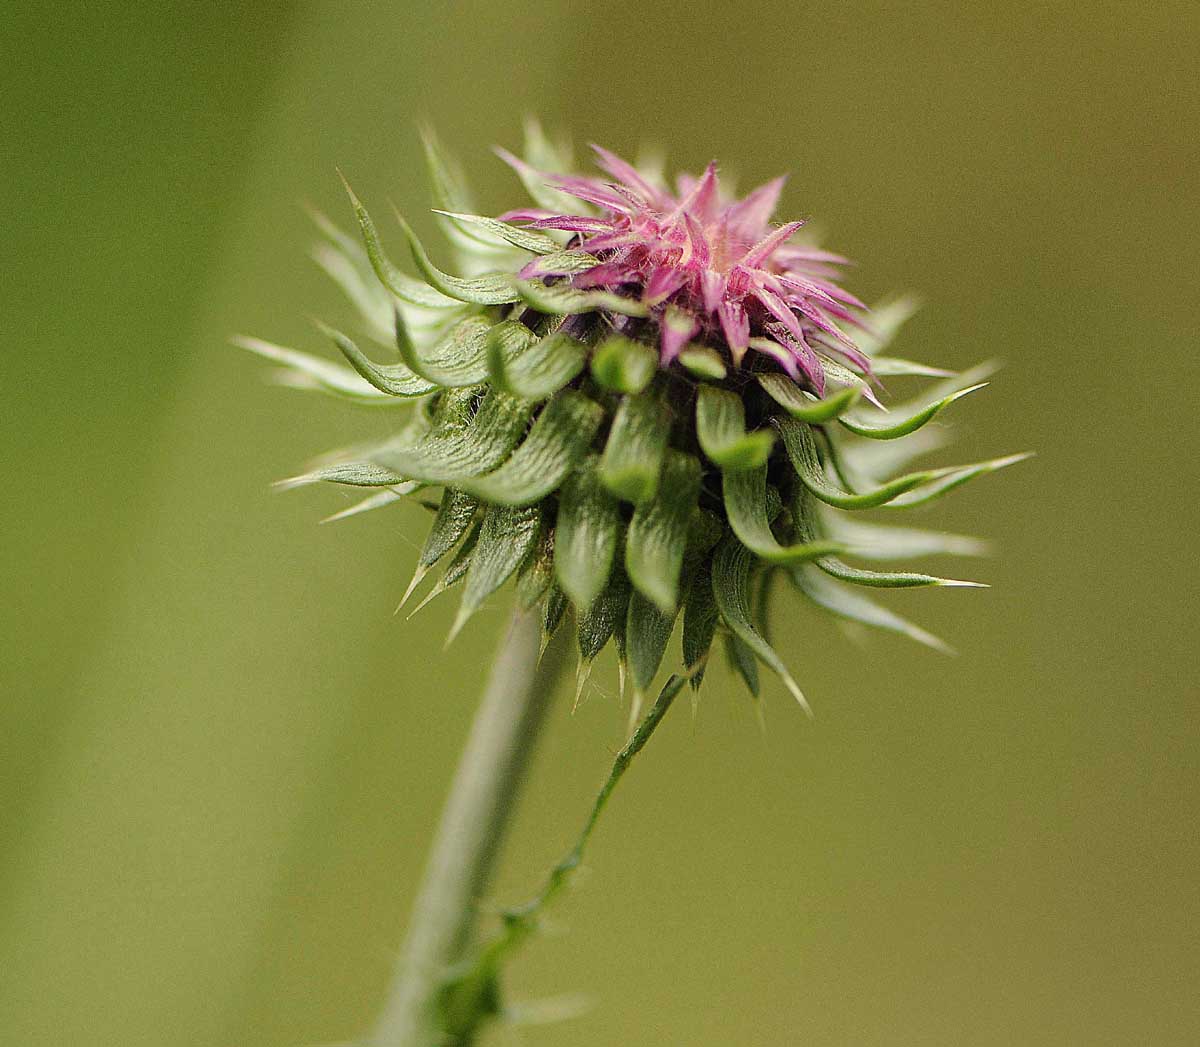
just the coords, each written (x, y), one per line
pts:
(474, 819)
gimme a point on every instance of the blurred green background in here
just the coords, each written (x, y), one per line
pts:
(218, 777)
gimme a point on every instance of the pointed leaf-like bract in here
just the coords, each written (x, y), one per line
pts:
(602, 620)
(352, 474)
(393, 379)
(658, 533)
(647, 631)
(538, 371)
(858, 607)
(805, 407)
(731, 591)
(946, 480)
(559, 439)
(587, 532)
(453, 452)
(315, 372)
(455, 514)
(623, 365)
(506, 537)
(703, 362)
(869, 541)
(806, 523)
(741, 660)
(403, 286)
(378, 500)
(745, 494)
(460, 358)
(490, 289)
(721, 428)
(891, 366)
(699, 623)
(526, 239)
(536, 574)
(879, 431)
(802, 450)
(565, 299)
(455, 572)
(450, 191)
(633, 454)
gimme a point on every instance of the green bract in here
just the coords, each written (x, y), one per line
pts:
(616, 490)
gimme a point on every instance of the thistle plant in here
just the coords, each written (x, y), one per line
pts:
(639, 405)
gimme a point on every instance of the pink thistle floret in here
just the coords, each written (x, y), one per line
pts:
(706, 266)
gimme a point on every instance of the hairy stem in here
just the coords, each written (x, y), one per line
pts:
(477, 812)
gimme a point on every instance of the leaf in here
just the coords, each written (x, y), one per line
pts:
(392, 379)
(489, 289)
(403, 286)
(526, 239)
(721, 428)
(453, 452)
(316, 373)
(658, 533)
(559, 439)
(647, 632)
(506, 537)
(869, 541)
(538, 371)
(633, 454)
(911, 424)
(460, 358)
(858, 607)
(745, 495)
(565, 299)
(587, 532)
(623, 365)
(802, 450)
(955, 476)
(804, 406)
(731, 591)
(703, 362)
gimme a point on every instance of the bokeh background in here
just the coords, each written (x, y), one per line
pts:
(222, 757)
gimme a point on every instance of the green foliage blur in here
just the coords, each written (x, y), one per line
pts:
(222, 757)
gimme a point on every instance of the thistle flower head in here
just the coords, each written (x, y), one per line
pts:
(703, 265)
(640, 405)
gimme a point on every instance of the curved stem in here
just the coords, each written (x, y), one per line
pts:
(474, 819)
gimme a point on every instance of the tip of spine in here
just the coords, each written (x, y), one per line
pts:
(794, 690)
(417, 577)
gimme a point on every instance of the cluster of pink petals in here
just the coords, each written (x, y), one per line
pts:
(706, 266)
